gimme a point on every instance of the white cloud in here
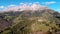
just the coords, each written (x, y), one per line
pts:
(21, 3)
(1, 6)
(25, 6)
(48, 3)
(58, 9)
(12, 5)
(33, 6)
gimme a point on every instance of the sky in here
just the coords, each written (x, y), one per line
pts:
(52, 4)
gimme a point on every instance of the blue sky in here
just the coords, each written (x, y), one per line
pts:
(53, 4)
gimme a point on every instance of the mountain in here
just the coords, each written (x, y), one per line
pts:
(44, 21)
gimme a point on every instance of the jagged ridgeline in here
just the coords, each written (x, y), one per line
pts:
(30, 22)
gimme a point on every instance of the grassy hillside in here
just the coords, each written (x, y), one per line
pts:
(30, 22)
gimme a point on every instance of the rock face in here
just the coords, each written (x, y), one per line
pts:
(44, 21)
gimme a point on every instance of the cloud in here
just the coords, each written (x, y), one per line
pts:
(22, 3)
(12, 5)
(59, 9)
(25, 6)
(48, 3)
(1, 7)
(33, 6)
